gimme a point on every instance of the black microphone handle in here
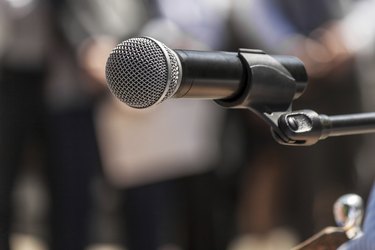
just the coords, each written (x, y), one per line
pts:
(210, 74)
(222, 75)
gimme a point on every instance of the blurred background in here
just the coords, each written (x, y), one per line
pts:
(79, 170)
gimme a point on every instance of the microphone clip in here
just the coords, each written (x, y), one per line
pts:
(272, 84)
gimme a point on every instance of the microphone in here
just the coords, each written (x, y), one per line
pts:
(143, 72)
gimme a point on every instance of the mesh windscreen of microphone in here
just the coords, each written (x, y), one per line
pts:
(142, 72)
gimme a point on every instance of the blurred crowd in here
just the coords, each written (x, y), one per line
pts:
(80, 170)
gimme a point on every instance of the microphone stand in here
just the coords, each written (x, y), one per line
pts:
(272, 84)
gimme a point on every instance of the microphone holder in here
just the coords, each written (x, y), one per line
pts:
(272, 83)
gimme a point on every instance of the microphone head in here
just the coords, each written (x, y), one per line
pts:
(143, 72)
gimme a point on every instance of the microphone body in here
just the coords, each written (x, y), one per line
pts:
(210, 75)
(143, 72)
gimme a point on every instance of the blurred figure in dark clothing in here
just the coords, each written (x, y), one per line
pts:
(36, 58)
(163, 159)
(23, 73)
(323, 172)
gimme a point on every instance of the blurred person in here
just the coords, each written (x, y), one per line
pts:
(23, 71)
(88, 31)
(45, 104)
(355, 33)
(163, 158)
(207, 26)
(200, 25)
(325, 35)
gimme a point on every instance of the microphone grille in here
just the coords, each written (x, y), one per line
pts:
(142, 72)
